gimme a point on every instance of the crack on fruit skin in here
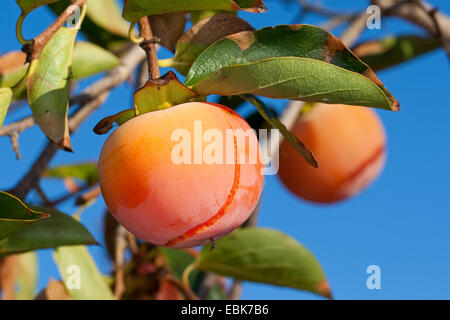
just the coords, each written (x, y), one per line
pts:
(219, 214)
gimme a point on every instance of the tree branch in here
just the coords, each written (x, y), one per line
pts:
(34, 49)
(149, 46)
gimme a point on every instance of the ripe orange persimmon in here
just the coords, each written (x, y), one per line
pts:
(175, 204)
(349, 145)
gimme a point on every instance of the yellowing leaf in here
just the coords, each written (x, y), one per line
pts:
(5, 100)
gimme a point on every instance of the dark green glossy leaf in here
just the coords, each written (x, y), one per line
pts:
(89, 59)
(390, 51)
(135, 9)
(86, 171)
(267, 256)
(297, 62)
(49, 86)
(15, 215)
(200, 36)
(58, 230)
(93, 286)
(29, 5)
(5, 99)
(273, 120)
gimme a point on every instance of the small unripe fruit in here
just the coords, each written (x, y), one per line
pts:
(175, 204)
(349, 145)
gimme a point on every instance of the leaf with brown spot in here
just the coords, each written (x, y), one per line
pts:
(135, 9)
(162, 93)
(168, 28)
(390, 51)
(106, 124)
(49, 86)
(299, 62)
(201, 35)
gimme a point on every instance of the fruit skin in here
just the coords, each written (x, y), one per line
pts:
(349, 144)
(182, 205)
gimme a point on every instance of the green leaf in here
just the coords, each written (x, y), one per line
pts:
(70, 261)
(29, 5)
(86, 171)
(12, 68)
(135, 9)
(106, 14)
(273, 120)
(267, 256)
(27, 275)
(49, 86)
(168, 28)
(15, 215)
(5, 99)
(89, 59)
(298, 62)
(106, 124)
(390, 51)
(58, 230)
(200, 36)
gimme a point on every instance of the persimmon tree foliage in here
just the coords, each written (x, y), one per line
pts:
(215, 52)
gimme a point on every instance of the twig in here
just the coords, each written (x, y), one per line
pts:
(121, 246)
(421, 14)
(34, 49)
(14, 136)
(352, 33)
(149, 46)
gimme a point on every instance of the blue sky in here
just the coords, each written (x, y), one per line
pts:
(400, 223)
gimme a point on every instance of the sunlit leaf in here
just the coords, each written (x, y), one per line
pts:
(58, 230)
(5, 99)
(92, 285)
(135, 9)
(106, 14)
(390, 51)
(48, 87)
(27, 275)
(12, 68)
(158, 94)
(201, 35)
(162, 93)
(15, 215)
(267, 256)
(89, 59)
(297, 62)
(29, 5)
(85, 171)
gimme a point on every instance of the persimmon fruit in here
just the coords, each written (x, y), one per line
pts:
(173, 204)
(349, 144)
